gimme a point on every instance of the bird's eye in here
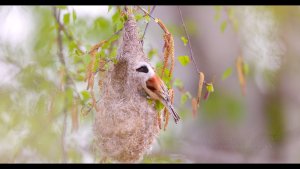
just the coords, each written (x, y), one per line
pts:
(143, 69)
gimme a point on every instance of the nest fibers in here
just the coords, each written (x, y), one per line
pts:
(125, 125)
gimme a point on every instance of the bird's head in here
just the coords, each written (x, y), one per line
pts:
(144, 71)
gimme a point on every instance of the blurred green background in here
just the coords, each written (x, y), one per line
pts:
(44, 103)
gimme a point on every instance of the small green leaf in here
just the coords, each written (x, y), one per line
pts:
(114, 38)
(210, 87)
(79, 77)
(138, 16)
(72, 46)
(184, 40)
(102, 23)
(178, 83)
(86, 59)
(113, 53)
(184, 60)
(109, 8)
(120, 26)
(227, 73)
(217, 8)
(147, 18)
(159, 106)
(246, 68)
(151, 53)
(218, 12)
(217, 16)
(62, 7)
(67, 18)
(185, 97)
(74, 15)
(223, 26)
(116, 17)
(85, 95)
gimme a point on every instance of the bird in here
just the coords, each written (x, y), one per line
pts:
(155, 87)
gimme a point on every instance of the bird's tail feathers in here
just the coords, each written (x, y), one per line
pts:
(172, 111)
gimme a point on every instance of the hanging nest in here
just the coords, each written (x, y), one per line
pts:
(125, 124)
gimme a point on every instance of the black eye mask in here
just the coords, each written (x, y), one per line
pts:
(143, 69)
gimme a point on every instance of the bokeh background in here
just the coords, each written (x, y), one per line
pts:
(41, 121)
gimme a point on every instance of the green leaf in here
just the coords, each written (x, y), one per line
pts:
(114, 38)
(85, 95)
(227, 73)
(217, 16)
(116, 17)
(184, 60)
(210, 87)
(109, 8)
(74, 15)
(138, 16)
(159, 106)
(120, 26)
(218, 12)
(79, 77)
(86, 59)
(217, 8)
(67, 18)
(185, 97)
(72, 46)
(113, 53)
(167, 79)
(147, 18)
(184, 40)
(223, 26)
(102, 23)
(62, 7)
(246, 68)
(77, 59)
(178, 83)
(151, 53)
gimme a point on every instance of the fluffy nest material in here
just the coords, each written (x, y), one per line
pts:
(125, 125)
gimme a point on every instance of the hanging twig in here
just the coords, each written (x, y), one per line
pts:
(146, 12)
(189, 40)
(60, 53)
(62, 61)
(152, 10)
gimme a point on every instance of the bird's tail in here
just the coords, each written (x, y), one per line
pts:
(172, 111)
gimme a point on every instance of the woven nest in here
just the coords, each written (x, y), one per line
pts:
(125, 125)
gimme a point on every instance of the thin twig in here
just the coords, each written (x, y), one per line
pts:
(146, 12)
(189, 43)
(152, 10)
(68, 35)
(189, 40)
(60, 46)
(62, 61)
